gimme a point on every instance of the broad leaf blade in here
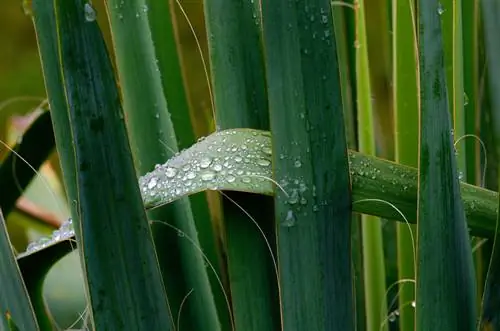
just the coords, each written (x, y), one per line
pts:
(445, 278)
(152, 140)
(116, 238)
(238, 74)
(15, 304)
(310, 164)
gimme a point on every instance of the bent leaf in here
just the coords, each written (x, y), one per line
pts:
(15, 305)
(240, 160)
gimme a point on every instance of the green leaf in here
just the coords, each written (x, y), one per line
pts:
(240, 160)
(35, 267)
(15, 305)
(238, 74)
(310, 163)
(405, 96)
(15, 174)
(445, 279)
(371, 227)
(115, 235)
(490, 319)
(153, 139)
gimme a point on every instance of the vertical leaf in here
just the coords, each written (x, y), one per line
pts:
(490, 319)
(153, 140)
(310, 164)
(406, 142)
(115, 235)
(445, 279)
(373, 252)
(238, 78)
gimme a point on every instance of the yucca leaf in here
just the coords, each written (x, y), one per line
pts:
(15, 305)
(46, 31)
(250, 166)
(405, 96)
(490, 317)
(371, 227)
(445, 278)
(153, 140)
(238, 74)
(35, 267)
(16, 174)
(116, 238)
(310, 163)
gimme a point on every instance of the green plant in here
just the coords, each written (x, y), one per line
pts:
(274, 249)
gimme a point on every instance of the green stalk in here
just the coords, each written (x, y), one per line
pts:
(406, 143)
(373, 252)
(445, 277)
(238, 78)
(115, 235)
(151, 131)
(378, 49)
(310, 164)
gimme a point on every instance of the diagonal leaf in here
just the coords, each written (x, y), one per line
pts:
(35, 267)
(15, 304)
(35, 148)
(115, 235)
(445, 297)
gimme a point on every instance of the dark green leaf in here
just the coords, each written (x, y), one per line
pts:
(116, 238)
(445, 279)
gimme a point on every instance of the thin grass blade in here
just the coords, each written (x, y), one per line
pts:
(406, 143)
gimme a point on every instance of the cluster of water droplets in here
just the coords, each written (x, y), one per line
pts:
(64, 232)
(237, 160)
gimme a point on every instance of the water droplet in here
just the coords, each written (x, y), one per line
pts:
(466, 99)
(152, 183)
(324, 19)
(191, 175)
(263, 162)
(180, 233)
(238, 159)
(217, 167)
(90, 14)
(267, 150)
(170, 172)
(413, 304)
(440, 9)
(230, 178)
(205, 162)
(297, 164)
(246, 180)
(294, 197)
(392, 317)
(290, 219)
(207, 176)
